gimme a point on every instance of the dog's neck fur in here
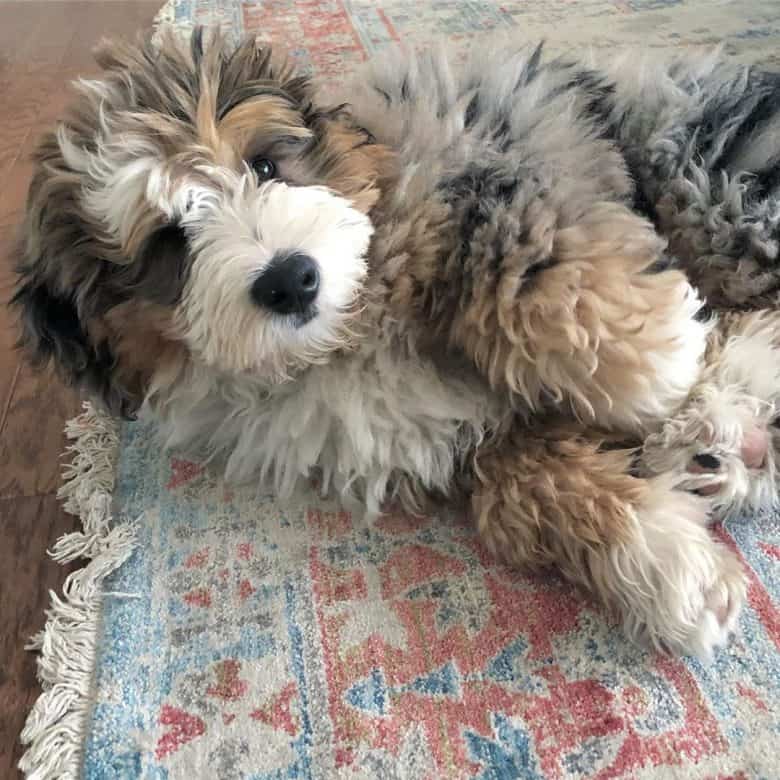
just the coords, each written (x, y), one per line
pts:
(365, 420)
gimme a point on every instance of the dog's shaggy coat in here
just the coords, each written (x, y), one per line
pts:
(494, 309)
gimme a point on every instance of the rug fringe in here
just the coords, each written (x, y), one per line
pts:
(55, 730)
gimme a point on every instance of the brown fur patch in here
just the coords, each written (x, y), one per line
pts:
(141, 335)
(555, 499)
(206, 123)
(586, 328)
(409, 270)
(353, 167)
(268, 117)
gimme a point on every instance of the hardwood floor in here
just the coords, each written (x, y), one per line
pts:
(43, 45)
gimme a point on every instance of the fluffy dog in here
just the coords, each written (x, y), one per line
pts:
(456, 284)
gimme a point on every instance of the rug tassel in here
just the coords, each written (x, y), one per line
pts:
(55, 730)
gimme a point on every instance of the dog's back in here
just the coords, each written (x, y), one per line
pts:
(698, 139)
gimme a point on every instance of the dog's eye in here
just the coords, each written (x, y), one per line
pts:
(264, 168)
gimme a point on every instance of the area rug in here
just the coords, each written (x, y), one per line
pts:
(215, 633)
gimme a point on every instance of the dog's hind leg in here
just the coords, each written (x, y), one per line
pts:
(724, 442)
(639, 545)
(591, 326)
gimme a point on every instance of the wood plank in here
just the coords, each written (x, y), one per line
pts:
(30, 526)
(29, 74)
(32, 439)
(128, 19)
(9, 358)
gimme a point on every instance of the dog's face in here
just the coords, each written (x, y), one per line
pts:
(195, 206)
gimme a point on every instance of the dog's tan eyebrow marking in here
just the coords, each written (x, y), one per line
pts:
(277, 146)
(270, 119)
(251, 92)
(265, 114)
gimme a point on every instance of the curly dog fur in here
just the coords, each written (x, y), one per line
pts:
(478, 280)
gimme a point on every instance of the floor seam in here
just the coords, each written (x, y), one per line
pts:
(11, 391)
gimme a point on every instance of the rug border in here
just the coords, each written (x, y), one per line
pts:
(55, 729)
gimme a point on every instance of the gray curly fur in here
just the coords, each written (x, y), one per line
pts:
(699, 136)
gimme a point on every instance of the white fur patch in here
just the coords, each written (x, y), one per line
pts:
(360, 421)
(233, 237)
(677, 587)
(118, 190)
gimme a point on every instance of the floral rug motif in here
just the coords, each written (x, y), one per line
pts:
(239, 638)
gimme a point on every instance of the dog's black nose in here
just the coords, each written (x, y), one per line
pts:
(288, 286)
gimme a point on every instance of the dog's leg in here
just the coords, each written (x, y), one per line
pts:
(591, 325)
(640, 545)
(725, 441)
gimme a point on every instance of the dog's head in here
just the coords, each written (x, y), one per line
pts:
(196, 205)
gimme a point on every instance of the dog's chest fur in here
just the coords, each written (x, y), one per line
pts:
(363, 421)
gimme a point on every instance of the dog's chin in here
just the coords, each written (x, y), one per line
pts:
(279, 348)
(301, 319)
(311, 338)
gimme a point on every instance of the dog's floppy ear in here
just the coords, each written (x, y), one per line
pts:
(58, 276)
(52, 331)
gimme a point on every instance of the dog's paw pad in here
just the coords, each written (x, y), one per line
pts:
(755, 445)
(704, 462)
(707, 475)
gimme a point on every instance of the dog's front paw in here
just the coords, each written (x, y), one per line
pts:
(709, 613)
(680, 590)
